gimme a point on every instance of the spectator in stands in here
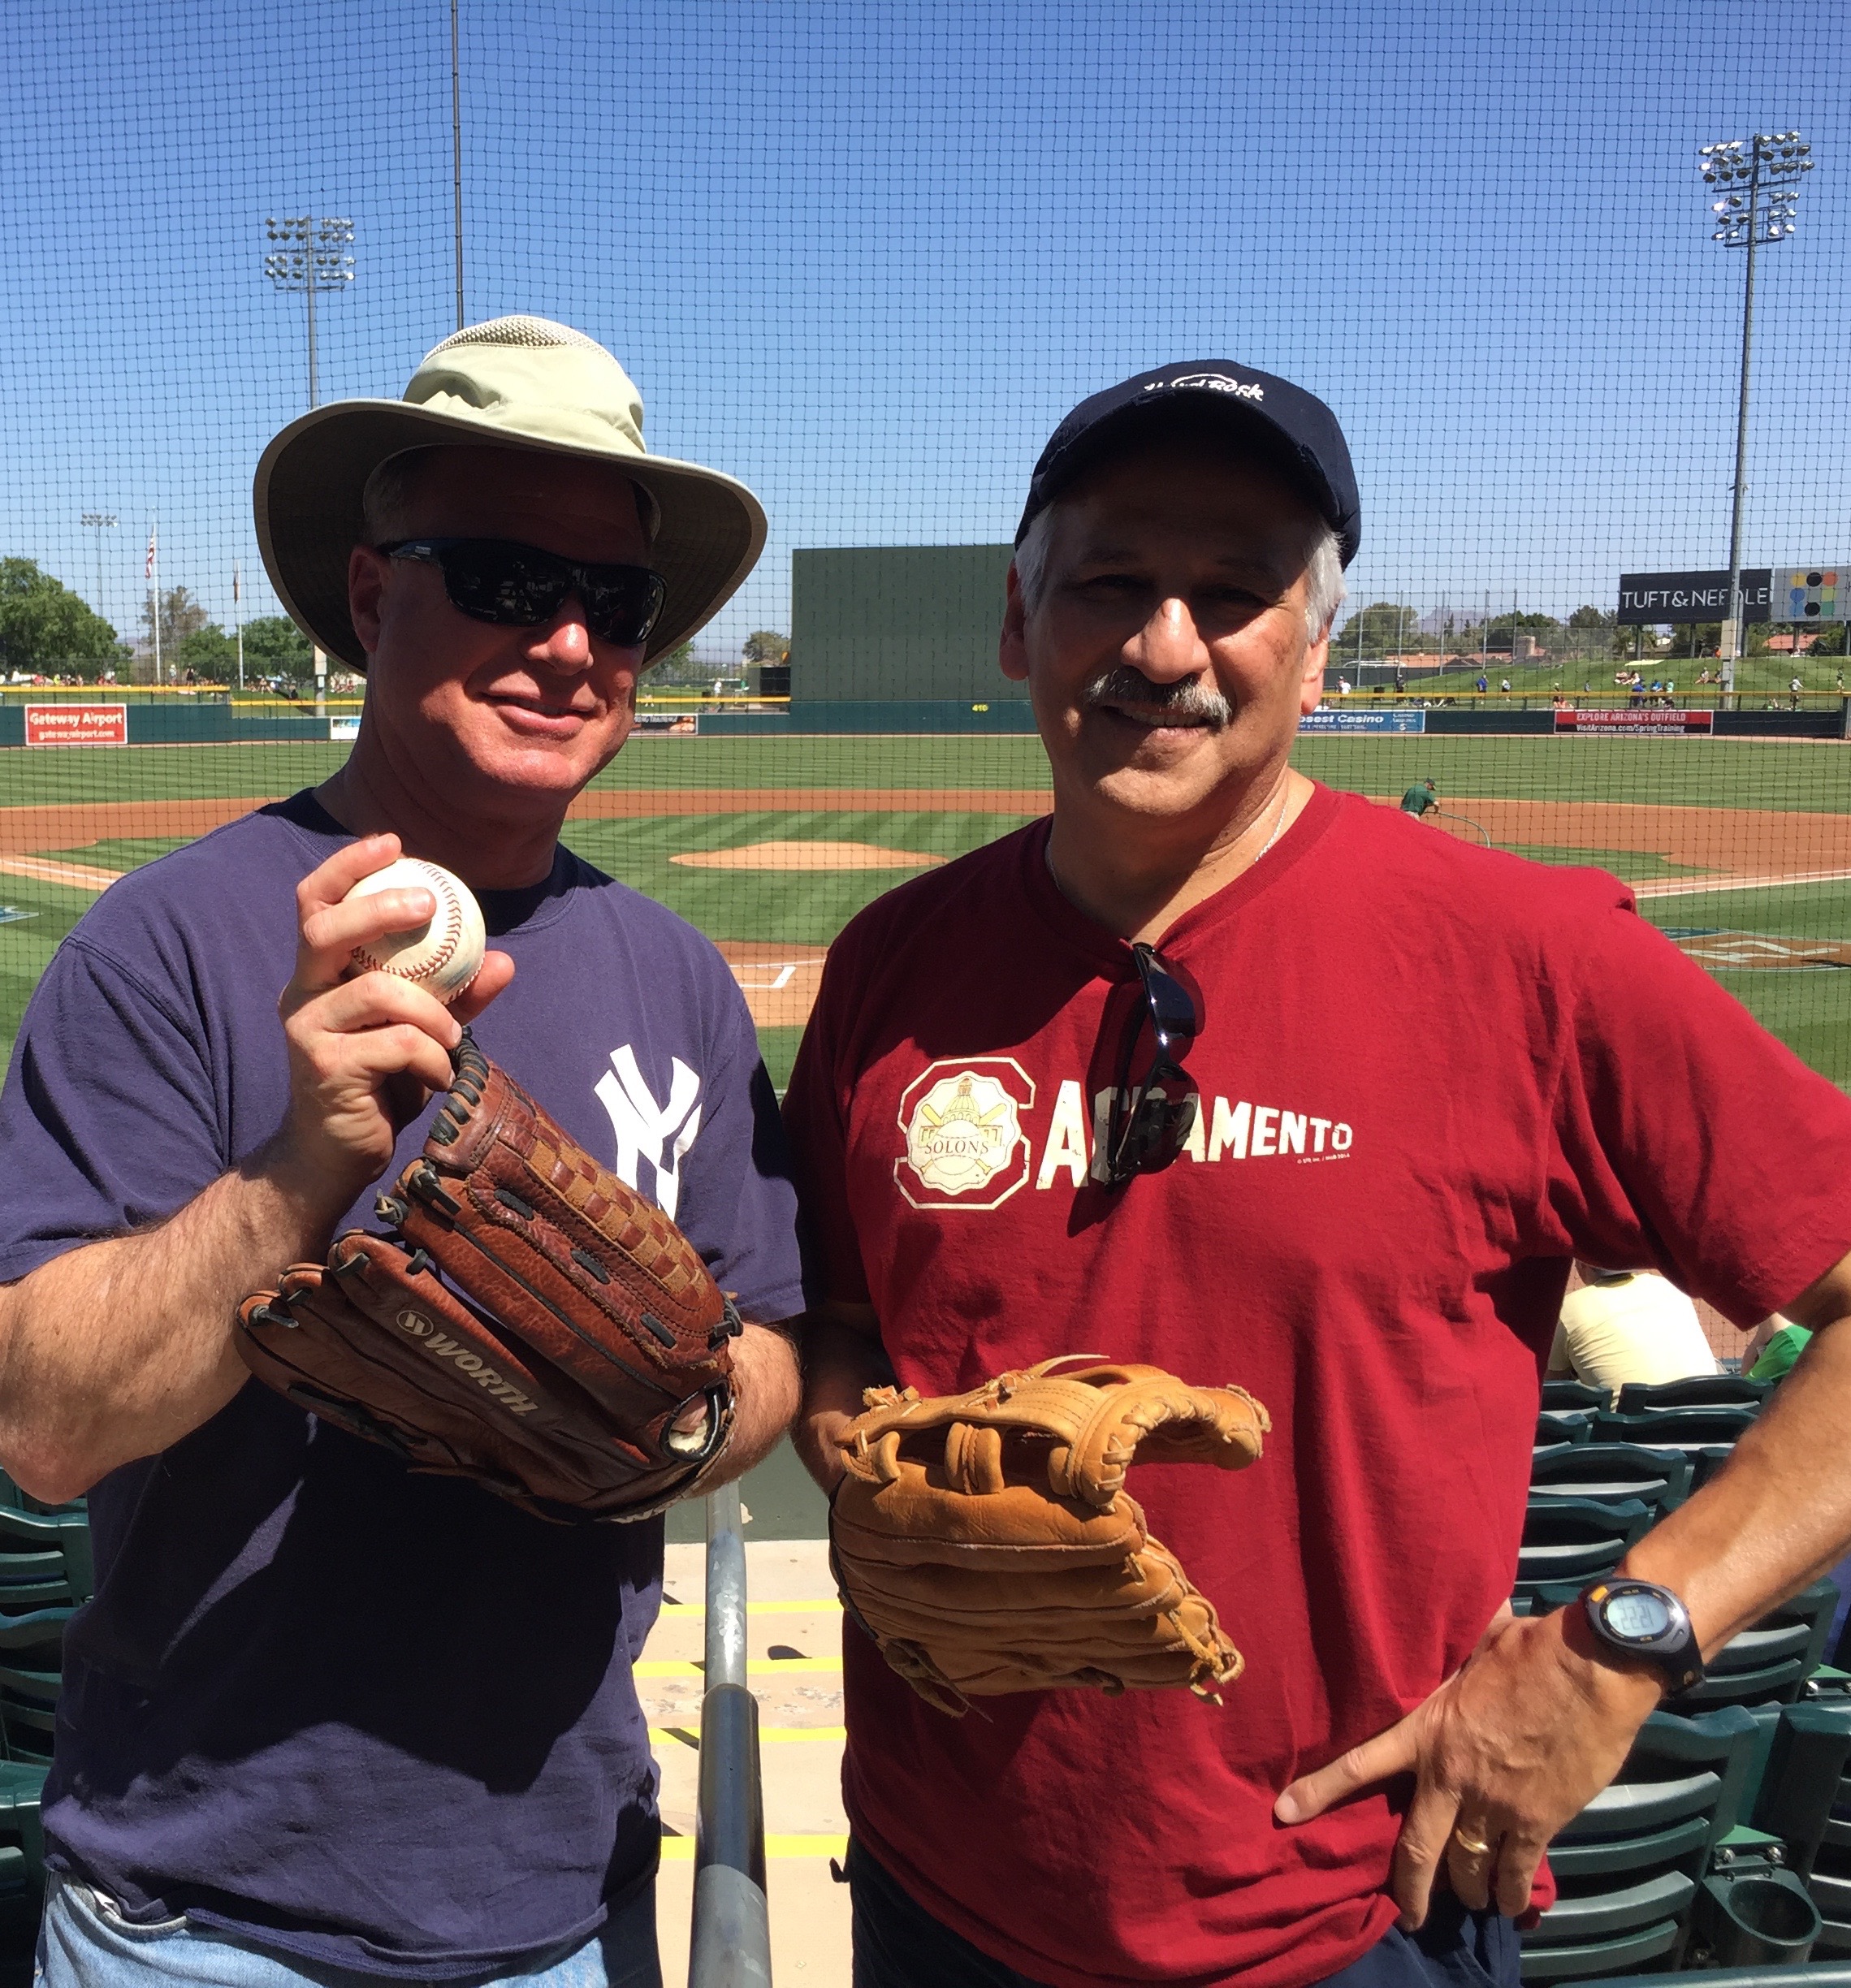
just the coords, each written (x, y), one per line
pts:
(1625, 1325)
(1777, 1343)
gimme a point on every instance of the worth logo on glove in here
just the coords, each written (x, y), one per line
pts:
(440, 1346)
(531, 1323)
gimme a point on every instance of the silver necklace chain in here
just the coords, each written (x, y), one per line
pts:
(1278, 825)
(1278, 830)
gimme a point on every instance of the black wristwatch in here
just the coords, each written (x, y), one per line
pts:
(1639, 1618)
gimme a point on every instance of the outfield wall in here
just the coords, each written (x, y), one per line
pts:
(899, 717)
(196, 724)
(181, 724)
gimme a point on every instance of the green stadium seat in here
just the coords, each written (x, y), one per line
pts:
(1570, 1541)
(1551, 1429)
(1610, 1472)
(1767, 1666)
(1676, 1428)
(45, 1559)
(1812, 1974)
(1698, 1391)
(31, 1652)
(1567, 1397)
(1628, 1867)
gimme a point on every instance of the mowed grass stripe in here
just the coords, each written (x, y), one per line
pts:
(1692, 772)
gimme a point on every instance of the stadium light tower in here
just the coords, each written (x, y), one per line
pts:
(99, 522)
(311, 255)
(1759, 181)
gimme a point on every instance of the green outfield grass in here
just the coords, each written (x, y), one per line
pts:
(1811, 1010)
(27, 944)
(1757, 677)
(80, 773)
(1801, 776)
(800, 907)
(1697, 772)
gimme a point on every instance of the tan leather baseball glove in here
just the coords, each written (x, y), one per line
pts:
(987, 1543)
(531, 1324)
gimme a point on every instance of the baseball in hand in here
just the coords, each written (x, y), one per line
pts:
(443, 955)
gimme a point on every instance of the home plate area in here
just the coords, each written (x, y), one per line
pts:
(1757, 952)
(779, 980)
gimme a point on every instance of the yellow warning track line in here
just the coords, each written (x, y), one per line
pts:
(757, 1667)
(689, 1736)
(830, 1607)
(680, 1849)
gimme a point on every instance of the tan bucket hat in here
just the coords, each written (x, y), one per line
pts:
(512, 383)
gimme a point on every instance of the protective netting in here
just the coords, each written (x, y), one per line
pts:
(864, 258)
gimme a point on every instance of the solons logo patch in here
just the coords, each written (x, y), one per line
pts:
(965, 1146)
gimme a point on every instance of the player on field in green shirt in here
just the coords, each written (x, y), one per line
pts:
(1419, 798)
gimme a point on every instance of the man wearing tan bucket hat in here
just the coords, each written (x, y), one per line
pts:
(326, 1720)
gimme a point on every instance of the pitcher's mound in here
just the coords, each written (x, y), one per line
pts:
(808, 856)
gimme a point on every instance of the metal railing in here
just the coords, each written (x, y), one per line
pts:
(732, 1944)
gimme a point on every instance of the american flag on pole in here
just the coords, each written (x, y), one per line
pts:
(237, 583)
(148, 571)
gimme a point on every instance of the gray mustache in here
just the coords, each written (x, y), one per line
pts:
(1126, 686)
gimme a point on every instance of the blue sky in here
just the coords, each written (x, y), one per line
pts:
(866, 256)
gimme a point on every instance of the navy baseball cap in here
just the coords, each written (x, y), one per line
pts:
(1283, 423)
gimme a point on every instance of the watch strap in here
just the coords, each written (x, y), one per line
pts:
(1676, 1654)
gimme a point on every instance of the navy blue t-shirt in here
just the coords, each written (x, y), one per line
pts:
(384, 1721)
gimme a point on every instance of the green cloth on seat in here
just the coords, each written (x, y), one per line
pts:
(1778, 1356)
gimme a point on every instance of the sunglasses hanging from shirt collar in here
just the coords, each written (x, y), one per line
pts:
(1149, 1127)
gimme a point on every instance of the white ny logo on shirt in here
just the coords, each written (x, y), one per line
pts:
(644, 1128)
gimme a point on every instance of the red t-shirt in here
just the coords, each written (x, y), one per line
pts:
(1430, 1074)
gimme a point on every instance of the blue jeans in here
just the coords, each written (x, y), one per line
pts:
(898, 1944)
(84, 1943)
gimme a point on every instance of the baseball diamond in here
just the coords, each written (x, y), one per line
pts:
(716, 829)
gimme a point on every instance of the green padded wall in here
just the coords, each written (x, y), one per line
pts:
(912, 622)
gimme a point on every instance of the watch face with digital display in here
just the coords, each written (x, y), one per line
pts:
(1640, 1619)
(1637, 1615)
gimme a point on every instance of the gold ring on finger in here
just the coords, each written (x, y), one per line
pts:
(1473, 1846)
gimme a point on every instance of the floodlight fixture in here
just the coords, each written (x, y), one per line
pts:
(1763, 212)
(314, 256)
(99, 522)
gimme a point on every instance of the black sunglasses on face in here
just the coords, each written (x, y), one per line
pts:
(1148, 1128)
(520, 585)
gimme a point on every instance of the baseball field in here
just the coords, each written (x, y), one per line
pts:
(1742, 849)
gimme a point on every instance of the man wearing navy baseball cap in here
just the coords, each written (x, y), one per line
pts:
(1375, 1239)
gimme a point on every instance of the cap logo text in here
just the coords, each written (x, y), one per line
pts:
(1215, 383)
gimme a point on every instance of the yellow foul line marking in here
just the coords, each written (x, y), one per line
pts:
(831, 1607)
(680, 1849)
(758, 1667)
(688, 1734)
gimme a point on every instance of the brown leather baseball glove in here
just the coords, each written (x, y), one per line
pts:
(987, 1543)
(533, 1324)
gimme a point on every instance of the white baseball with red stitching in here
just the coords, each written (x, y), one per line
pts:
(443, 955)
